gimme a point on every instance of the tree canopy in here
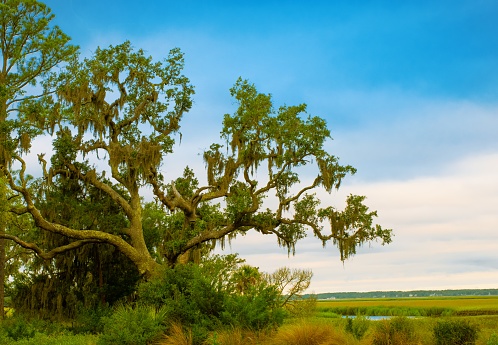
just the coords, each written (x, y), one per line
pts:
(114, 117)
(30, 48)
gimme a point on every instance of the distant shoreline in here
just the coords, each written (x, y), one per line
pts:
(408, 294)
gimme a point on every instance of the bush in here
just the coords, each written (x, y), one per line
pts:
(357, 326)
(19, 330)
(90, 320)
(187, 297)
(257, 309)
(196, 297)
(18, 327)
(398, 330)
(133, 326)
(455, 332)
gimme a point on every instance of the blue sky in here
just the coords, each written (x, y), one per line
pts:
(408, 89)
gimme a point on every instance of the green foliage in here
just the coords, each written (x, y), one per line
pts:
(18, 328)
(493, 339)
(357, 326)
(88, 279)
(220, 271)
(398, 330)
(58, 339)
(455, 332)
(31, 46)
(219, 292)
(258, 308)
(151, 93)
(91, 320)
(137, 325)
(21, 330)
(93, 275)
(188, 297)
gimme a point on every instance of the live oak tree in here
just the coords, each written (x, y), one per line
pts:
(114, 118)
(30, 48)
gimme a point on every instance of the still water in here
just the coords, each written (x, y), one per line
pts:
(373, 318)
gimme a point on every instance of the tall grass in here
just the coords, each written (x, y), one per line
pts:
(177, 336)
(312, 333)
(237, 336)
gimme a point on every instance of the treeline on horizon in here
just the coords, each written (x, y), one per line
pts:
(401, 294)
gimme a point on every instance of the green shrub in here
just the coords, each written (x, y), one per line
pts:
(398, 330)
(18, 327)
(195, 297)
(455, 332)
(187, 298)
(4, 339)
(257, 309)
(493, 339)
(133, 326)
(357, 326)
(90, 320)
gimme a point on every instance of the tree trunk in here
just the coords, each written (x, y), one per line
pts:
(2, 274)
(101, 278)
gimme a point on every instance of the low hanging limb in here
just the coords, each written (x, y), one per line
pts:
(52, 253)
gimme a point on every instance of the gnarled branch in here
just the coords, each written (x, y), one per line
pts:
(53, 252)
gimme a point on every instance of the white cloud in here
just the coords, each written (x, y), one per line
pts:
(391, 134)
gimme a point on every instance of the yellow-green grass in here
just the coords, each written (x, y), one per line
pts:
(473, 305)
(318, 331)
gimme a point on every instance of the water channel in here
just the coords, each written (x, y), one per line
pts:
(372, 318)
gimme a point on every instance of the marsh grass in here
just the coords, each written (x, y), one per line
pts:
(312, 333)
(417, 306)
(238, 336)
(325, 328)
(384, 311)
(177, 336)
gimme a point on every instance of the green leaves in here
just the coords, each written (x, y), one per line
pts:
(128, 104)
(266, 152)
(353, 226)
(29, 49)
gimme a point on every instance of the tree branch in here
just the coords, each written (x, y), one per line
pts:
(52, 253)
(91, 178)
